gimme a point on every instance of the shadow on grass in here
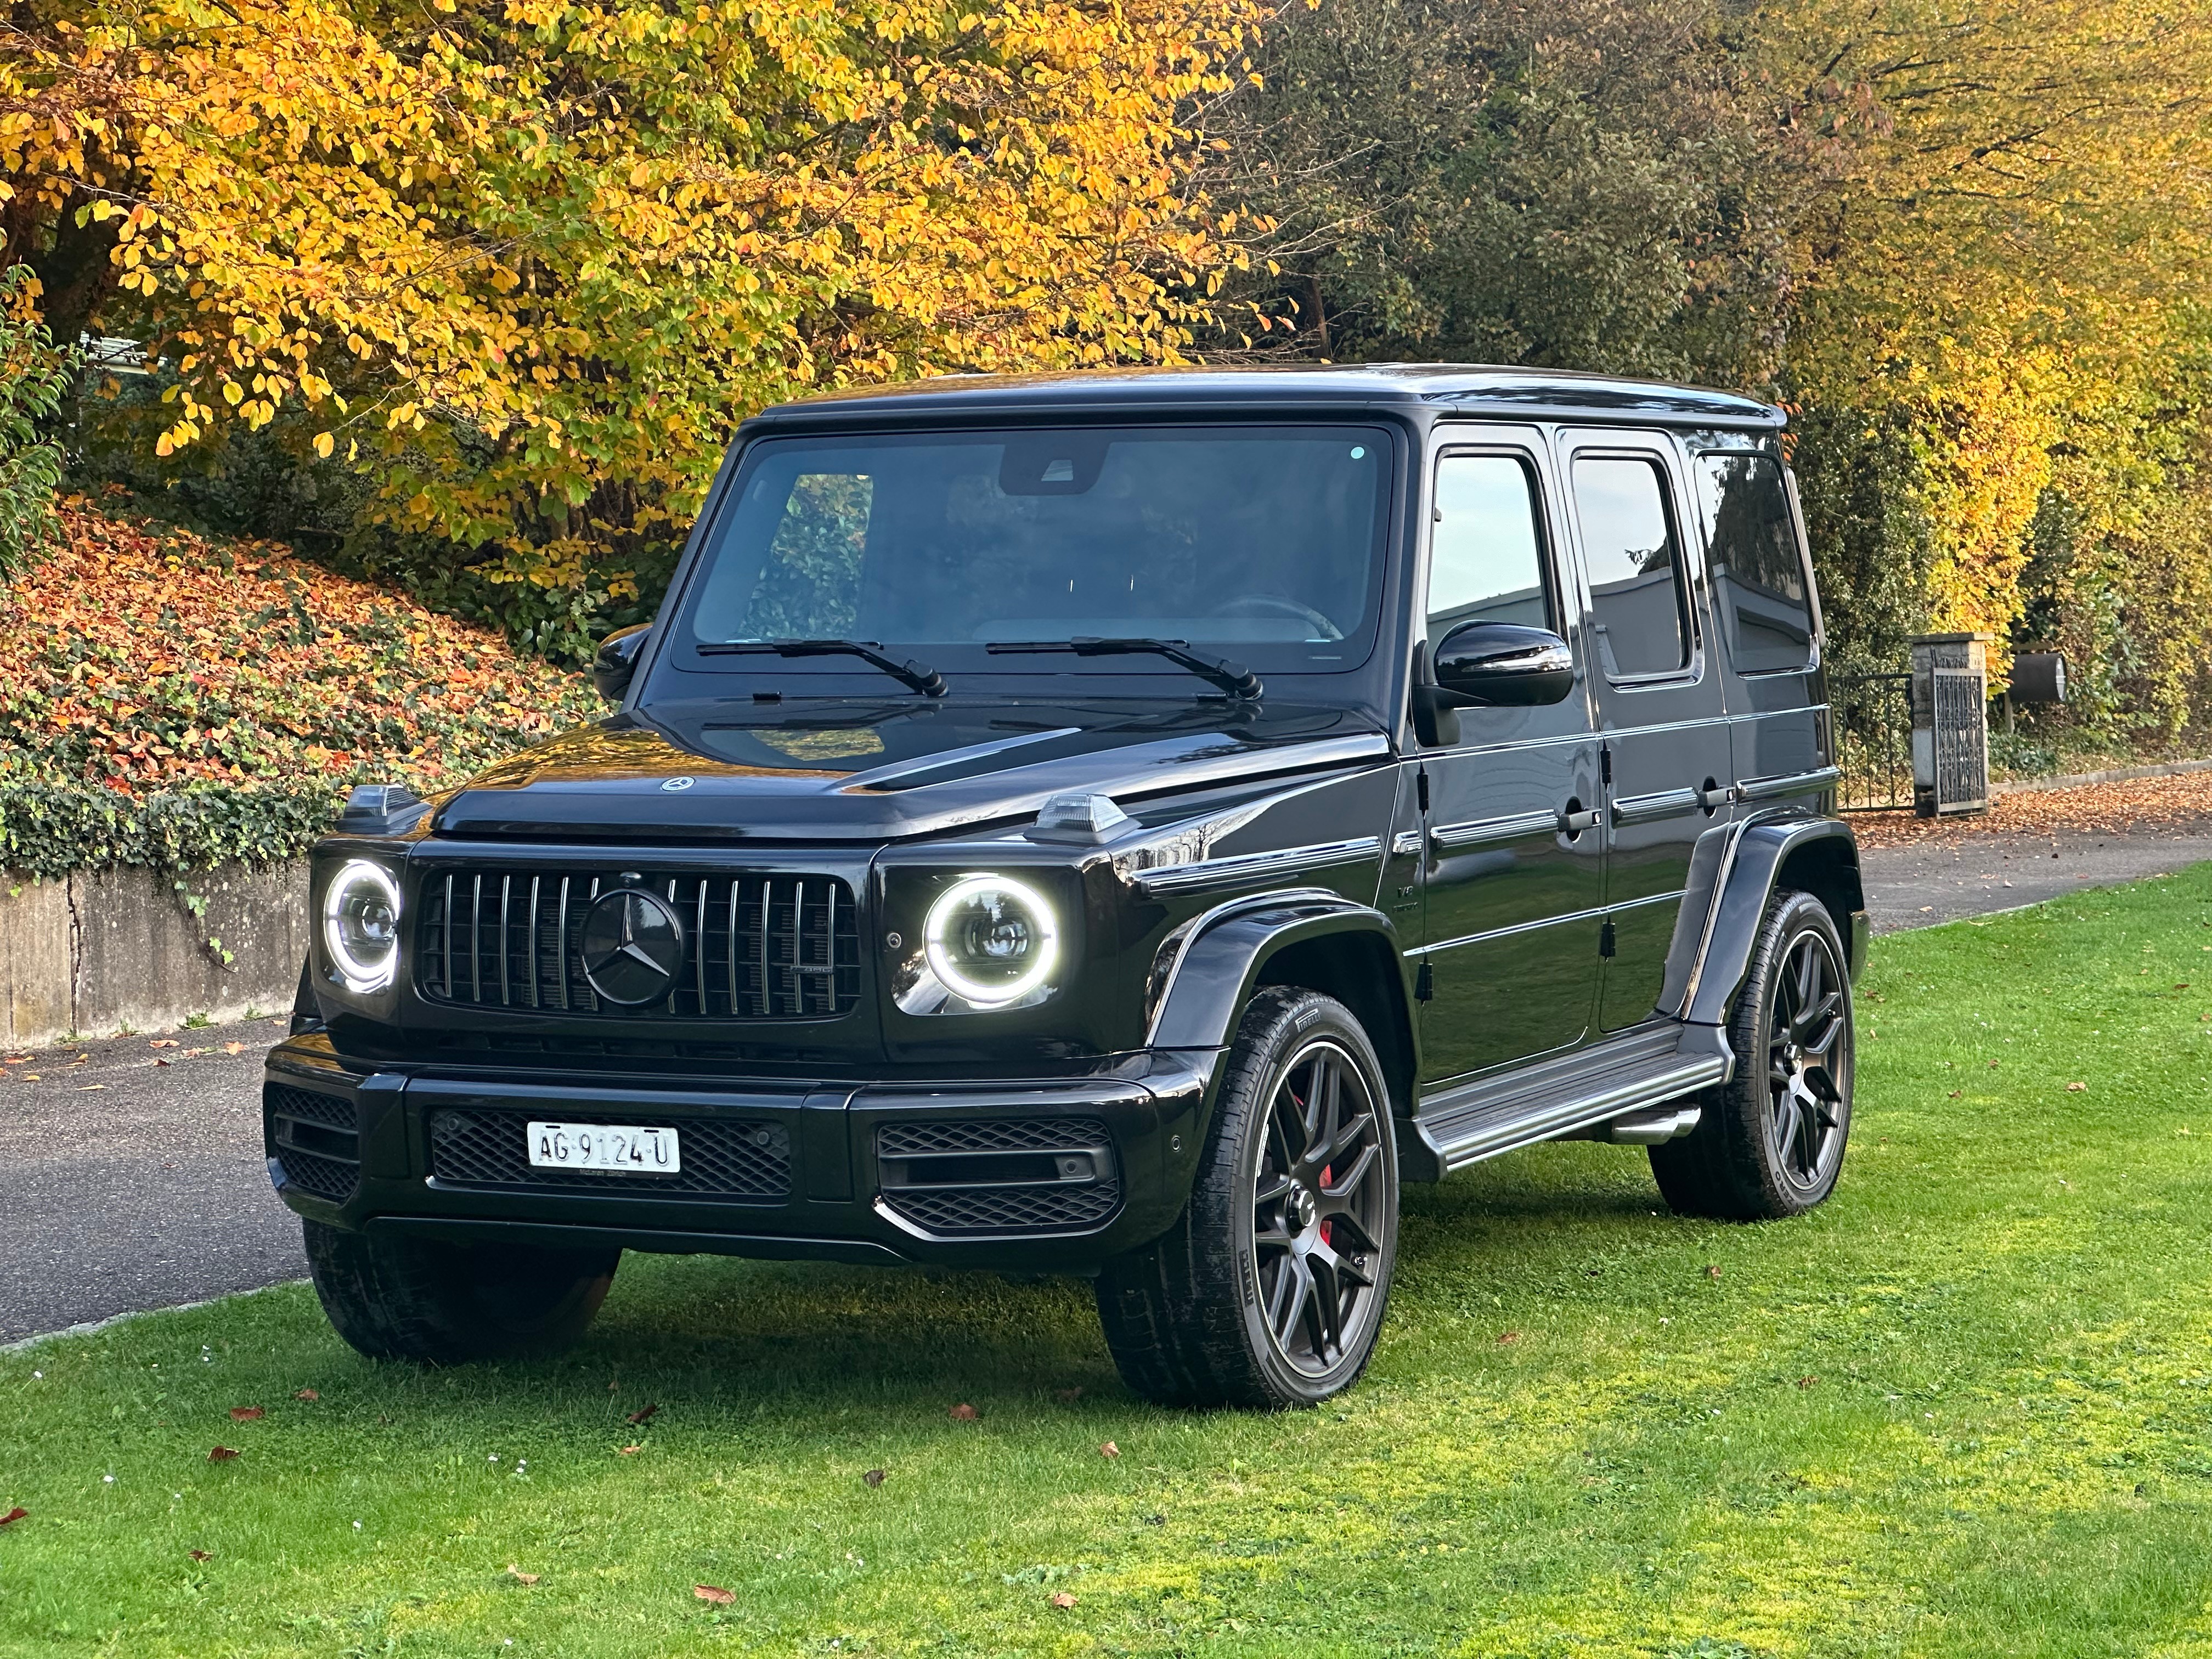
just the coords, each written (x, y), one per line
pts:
(769, 1339)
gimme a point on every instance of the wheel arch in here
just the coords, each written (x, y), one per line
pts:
(1736, 872)
(1317, 940)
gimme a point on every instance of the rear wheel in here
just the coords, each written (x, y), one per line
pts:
(1771, 1142)
(1269, 1291)
(449, 1304)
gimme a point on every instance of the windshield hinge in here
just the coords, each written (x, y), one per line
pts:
(1425, 984)
(1605, 762)
(1421, 789)
(1605, 940)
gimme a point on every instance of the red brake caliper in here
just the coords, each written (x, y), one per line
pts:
(1326, 1225)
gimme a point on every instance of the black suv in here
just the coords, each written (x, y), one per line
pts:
(1119, 824)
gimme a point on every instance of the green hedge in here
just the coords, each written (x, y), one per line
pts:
(50, 829)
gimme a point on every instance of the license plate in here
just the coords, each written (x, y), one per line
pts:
(621, 1147)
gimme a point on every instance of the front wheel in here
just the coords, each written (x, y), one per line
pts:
(1269, 1289)
(1771, 1142)
(449, 1304)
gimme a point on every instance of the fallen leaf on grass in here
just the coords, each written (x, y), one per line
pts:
(247, 1413)
(1712, 1271)
(222, 1455)
(1062, 1599)
(1505, 1337)
(715, 1593)
(12, 1516)
(1807, 1382)
(643, 1413)
(1954, 1094)
(307, 1394)
(1110, 1450)
(2075, 1088)
(1067, 1397)
(872, 1478)
(964, 1413)
(519, 1576)
(197, 1555)
(627, 1451)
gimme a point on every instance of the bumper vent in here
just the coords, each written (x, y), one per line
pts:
(748, 1162)
(1000, 1174)
(754, 946)
(315, 1138)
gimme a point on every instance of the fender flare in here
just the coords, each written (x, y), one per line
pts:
(1733, 874)
(1219, 958)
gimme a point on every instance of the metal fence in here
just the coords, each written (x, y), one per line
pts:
(1873, 715)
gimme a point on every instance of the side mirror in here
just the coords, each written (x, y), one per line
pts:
(1494, 664)
(617, 660)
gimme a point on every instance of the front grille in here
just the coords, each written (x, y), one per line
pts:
(1000, 1174)
(316, 1138)
(754, 946)
(722, 1157)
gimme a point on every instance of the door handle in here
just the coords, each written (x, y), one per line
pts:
(1716, 796)
(1574, 822)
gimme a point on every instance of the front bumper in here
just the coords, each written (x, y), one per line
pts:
(1052, 1173)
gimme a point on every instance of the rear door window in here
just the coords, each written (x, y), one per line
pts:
(1759, 586)
(1634, 559)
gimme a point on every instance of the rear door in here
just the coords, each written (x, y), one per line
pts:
(1512, 890)
(1658, 693)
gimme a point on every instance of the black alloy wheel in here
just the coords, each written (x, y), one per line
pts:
(1316, 1199)
(1809, 1036)
(1269, 1291)
(1770, 1142)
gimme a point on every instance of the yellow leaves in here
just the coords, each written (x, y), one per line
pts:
(325, 443)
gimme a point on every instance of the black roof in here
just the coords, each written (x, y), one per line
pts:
(1524, 393)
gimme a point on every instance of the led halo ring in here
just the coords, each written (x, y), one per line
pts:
(359, 975)
(949, 975)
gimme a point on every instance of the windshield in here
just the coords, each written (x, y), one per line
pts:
(1261, 542)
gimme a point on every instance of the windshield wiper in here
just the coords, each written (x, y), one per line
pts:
(916, 676)
(1232, 677)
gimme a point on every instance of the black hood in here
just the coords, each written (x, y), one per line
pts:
(833, 769)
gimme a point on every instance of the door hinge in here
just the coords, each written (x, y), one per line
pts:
(1421, 789)
(1425, 984)
(1605, 939)
(1605, 762)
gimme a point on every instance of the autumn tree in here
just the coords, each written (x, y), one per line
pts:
(525, 265)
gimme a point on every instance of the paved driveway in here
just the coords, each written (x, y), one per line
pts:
(131, 1185)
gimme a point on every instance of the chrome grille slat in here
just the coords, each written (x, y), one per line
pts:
(761, 946)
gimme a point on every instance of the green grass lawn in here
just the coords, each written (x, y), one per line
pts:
(1966, 1408)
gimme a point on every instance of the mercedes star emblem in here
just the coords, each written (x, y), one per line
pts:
(633, 946)
(670, 785)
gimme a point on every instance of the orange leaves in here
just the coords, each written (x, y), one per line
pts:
(591, 240)
(144, 661)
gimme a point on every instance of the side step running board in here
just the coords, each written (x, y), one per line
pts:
(1490, 1121)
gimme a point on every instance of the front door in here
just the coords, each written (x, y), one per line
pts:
(1659, 699)
(1514, 860)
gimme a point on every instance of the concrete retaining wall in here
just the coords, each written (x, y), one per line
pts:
(91, 953)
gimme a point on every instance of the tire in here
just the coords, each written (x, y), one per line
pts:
(1233, 1305)
(453, 1305)
(1770, 1141)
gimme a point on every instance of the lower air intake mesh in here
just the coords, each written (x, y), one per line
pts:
(939, 1175)
(314, 1138)
(749, 1162)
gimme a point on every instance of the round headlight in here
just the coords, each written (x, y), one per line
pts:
(991, 941)
(361, 926)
